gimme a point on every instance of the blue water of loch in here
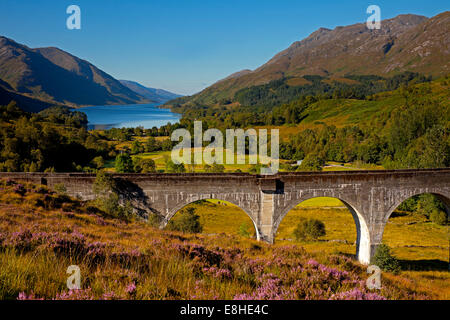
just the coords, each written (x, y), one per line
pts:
(128, 116)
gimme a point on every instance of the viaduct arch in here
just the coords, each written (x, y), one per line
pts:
(371, 196)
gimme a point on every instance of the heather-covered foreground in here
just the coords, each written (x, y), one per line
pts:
(42, 233)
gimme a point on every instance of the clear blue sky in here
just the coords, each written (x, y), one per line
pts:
(185, 45)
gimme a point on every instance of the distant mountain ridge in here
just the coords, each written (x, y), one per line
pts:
(53, 76)
(157, 95)
(26, 103)
(404, 43)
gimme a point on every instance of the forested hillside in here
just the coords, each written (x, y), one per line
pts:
(54, 140)
(405, 128)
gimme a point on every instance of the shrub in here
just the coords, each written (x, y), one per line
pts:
(124, 163)
(409, 205)
(385, 260)
(107, 197)
(154, 220)
(186, 221)
(215, 168)
(172, 167)
(312, 162)
(309, 229)
(244, 230)
(427, 203)
(104, 184)
(255, 169)
(60, 188)
(439, 217)
(144, 165)
(98, 162)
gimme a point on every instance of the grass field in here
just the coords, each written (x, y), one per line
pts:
(160, 160)
(161, 156)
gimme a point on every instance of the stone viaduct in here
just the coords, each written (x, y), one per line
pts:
(371, 196)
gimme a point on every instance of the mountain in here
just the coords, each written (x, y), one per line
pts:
(54, 76)
(157, 95)
(404, 43)
(26, 103)
(237, 74)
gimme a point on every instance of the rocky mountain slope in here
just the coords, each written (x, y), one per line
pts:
(53, 76)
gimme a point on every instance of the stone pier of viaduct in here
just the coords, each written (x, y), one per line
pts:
(371, 196)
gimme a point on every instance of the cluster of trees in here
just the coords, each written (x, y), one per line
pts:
(384, 259)
(279, 91)
(126, 134)
(186, 221)
(416, 135)
(413, 135)
(151, 145)
(427, 205)
(309, 230)
(214, 168)
(124, 163)
(54, 140)
(64, 116)
(277, 103)
(107, 198)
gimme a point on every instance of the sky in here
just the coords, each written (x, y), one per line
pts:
(185, 45)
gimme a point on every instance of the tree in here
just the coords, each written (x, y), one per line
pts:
(171, 167)
(186, 221)
(385, 260)
(144, 165)
(124, 163)
(60, 188)
(312, 162)
(107, 197)
(139, 131)
(148, 166)
(167, 145)
(215, 168)
(309, 229)
(439, 217)
(431, 150)
(427, 203)
(98, 162)
(152, 145)
(136, 147)
(409, 205)
(255, 169)
(104, 184)
(245, 230)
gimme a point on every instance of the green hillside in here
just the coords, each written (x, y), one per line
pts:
(404, 128)
(354, 111)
